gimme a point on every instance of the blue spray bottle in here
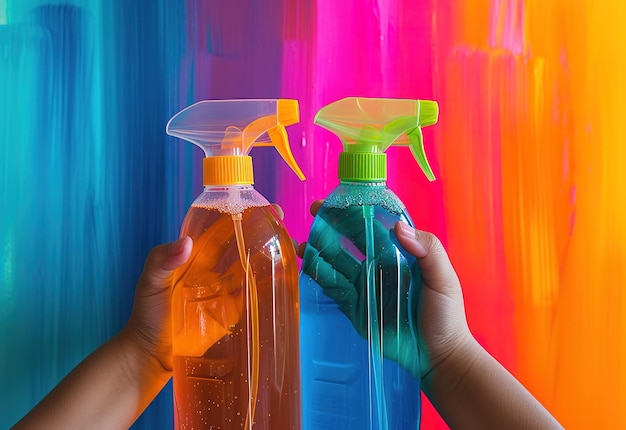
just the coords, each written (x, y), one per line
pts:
(358, 288)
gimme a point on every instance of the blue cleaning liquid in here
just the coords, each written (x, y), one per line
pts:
(355, 373)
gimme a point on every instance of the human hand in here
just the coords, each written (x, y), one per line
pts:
(148, 329)
(112, 386)
(435, 316)
(467, 386)
(442, 321)
(375, 287)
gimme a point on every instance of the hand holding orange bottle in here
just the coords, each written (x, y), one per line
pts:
(113, 385)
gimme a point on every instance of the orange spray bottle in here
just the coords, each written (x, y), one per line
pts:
(235, 314)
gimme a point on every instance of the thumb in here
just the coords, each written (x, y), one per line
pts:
(162, 261)
(436, 268)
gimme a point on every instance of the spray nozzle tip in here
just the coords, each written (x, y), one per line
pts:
(288, 111)
(428, 112)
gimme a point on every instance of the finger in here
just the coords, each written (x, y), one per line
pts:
(342, 262)
(314, 209)
(334, 284)
(162, 261)
(301, 249)
(350, 223)
(315, 206)
(279, 210)
(359, 236)
(325, 244)
(407, 238)
(436, 268)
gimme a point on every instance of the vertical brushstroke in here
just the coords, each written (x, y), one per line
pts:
(24, 49)
(471, 176)
(535, 185)
(299, 28)
(555, 100)
(83, 119)
(589, 375)
(3, 12)
(58, 319)
(490, 90)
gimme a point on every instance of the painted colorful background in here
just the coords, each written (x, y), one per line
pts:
(529, 152)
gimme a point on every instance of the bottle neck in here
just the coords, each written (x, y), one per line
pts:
(243, 187)
(362, 167)
(377, 183)
(229, 170)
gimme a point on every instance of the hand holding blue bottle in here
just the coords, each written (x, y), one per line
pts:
(439, 309)
(336, 259)
(467, 386)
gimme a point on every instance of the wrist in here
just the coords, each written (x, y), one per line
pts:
(471, 389)
(450, 367)
(140, 362)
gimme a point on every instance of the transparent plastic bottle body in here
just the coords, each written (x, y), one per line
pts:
(235, 317)
(355, 373)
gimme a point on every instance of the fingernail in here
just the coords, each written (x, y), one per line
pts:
(406, 230)
(415, 247)
(176, 248)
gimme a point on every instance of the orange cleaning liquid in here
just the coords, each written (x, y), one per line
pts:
(236, 324)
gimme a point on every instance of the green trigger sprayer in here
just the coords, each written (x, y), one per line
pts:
(370, 126)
